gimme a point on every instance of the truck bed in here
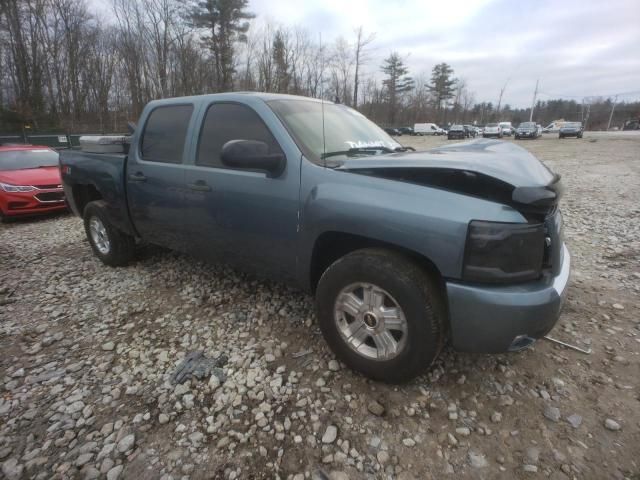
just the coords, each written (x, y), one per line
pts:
(85, 173)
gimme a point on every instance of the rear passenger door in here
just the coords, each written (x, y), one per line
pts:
(155, 176)
(240, 216)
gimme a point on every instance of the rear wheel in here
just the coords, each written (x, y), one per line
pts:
(381, 314)
(110, 245)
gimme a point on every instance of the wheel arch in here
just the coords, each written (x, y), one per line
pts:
(83, 194)
(332, 245)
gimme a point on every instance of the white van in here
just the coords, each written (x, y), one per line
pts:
(427, 129)
(554, 126)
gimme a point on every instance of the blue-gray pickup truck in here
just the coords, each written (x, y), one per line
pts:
(403, 250)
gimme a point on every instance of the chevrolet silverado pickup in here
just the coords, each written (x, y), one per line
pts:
(403, 250)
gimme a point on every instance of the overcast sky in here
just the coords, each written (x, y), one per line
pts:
(575, 47)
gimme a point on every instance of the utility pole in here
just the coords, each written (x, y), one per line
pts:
(613, 107)
(533, 102)
(500, 98)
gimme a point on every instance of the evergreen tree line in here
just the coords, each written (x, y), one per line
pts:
(63, 67)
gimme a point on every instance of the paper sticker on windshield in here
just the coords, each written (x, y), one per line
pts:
(62, 139)
(374, 143)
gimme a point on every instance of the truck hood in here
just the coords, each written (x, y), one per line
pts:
(490, 169)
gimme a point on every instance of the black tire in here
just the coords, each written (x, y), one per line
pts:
(416, 292)
(121, 248)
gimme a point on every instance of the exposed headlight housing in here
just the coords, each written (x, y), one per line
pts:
(16, 188)
(503, 252)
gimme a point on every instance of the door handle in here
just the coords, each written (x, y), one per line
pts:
(199, 186)
(137, 177)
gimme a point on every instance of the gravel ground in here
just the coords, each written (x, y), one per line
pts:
(88, 354)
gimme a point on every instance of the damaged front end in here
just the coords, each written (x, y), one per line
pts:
(495, 252)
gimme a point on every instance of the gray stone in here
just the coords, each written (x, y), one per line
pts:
(107, 347)
(12, 470)
(533, 454)
(83, 459)
(575, 420)
(383, 457)
(552, 413)
(334, 366)
(330, 434)
(126, 443)
(115, 472)
(612, 425)
(375, 408)
(477, 460)
(408, 442)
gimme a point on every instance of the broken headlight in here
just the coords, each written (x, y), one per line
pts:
(503, 252)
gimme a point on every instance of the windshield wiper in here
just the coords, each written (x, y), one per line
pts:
(404, 149)
(356, 150)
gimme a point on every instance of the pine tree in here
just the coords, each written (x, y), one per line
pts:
(442, 85)
(226, 22)
(280, 61)
(396, 83)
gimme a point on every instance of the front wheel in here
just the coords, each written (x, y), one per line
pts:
(381, 314)
(110, 245)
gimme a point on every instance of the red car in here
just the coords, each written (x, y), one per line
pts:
(30, 181)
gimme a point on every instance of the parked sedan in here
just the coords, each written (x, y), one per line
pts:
(571, 129)
(457, 131)
(30, 181)
(527, 130)
(406, 130)
(394, 132)
(492, 130)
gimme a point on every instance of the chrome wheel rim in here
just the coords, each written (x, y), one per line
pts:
(370, 321)
(99, 235)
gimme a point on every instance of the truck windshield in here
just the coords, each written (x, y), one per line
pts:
(347, 132)
(23, 159)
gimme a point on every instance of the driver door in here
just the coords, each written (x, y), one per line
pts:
(240, 216)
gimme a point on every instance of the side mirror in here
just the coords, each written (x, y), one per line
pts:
(252, 155)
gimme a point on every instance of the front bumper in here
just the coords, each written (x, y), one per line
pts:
(525, 134)
(489, 319)
(15, 204)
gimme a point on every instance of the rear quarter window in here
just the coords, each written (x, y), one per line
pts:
(165, 133)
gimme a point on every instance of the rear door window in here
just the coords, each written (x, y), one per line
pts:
(165, 134)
